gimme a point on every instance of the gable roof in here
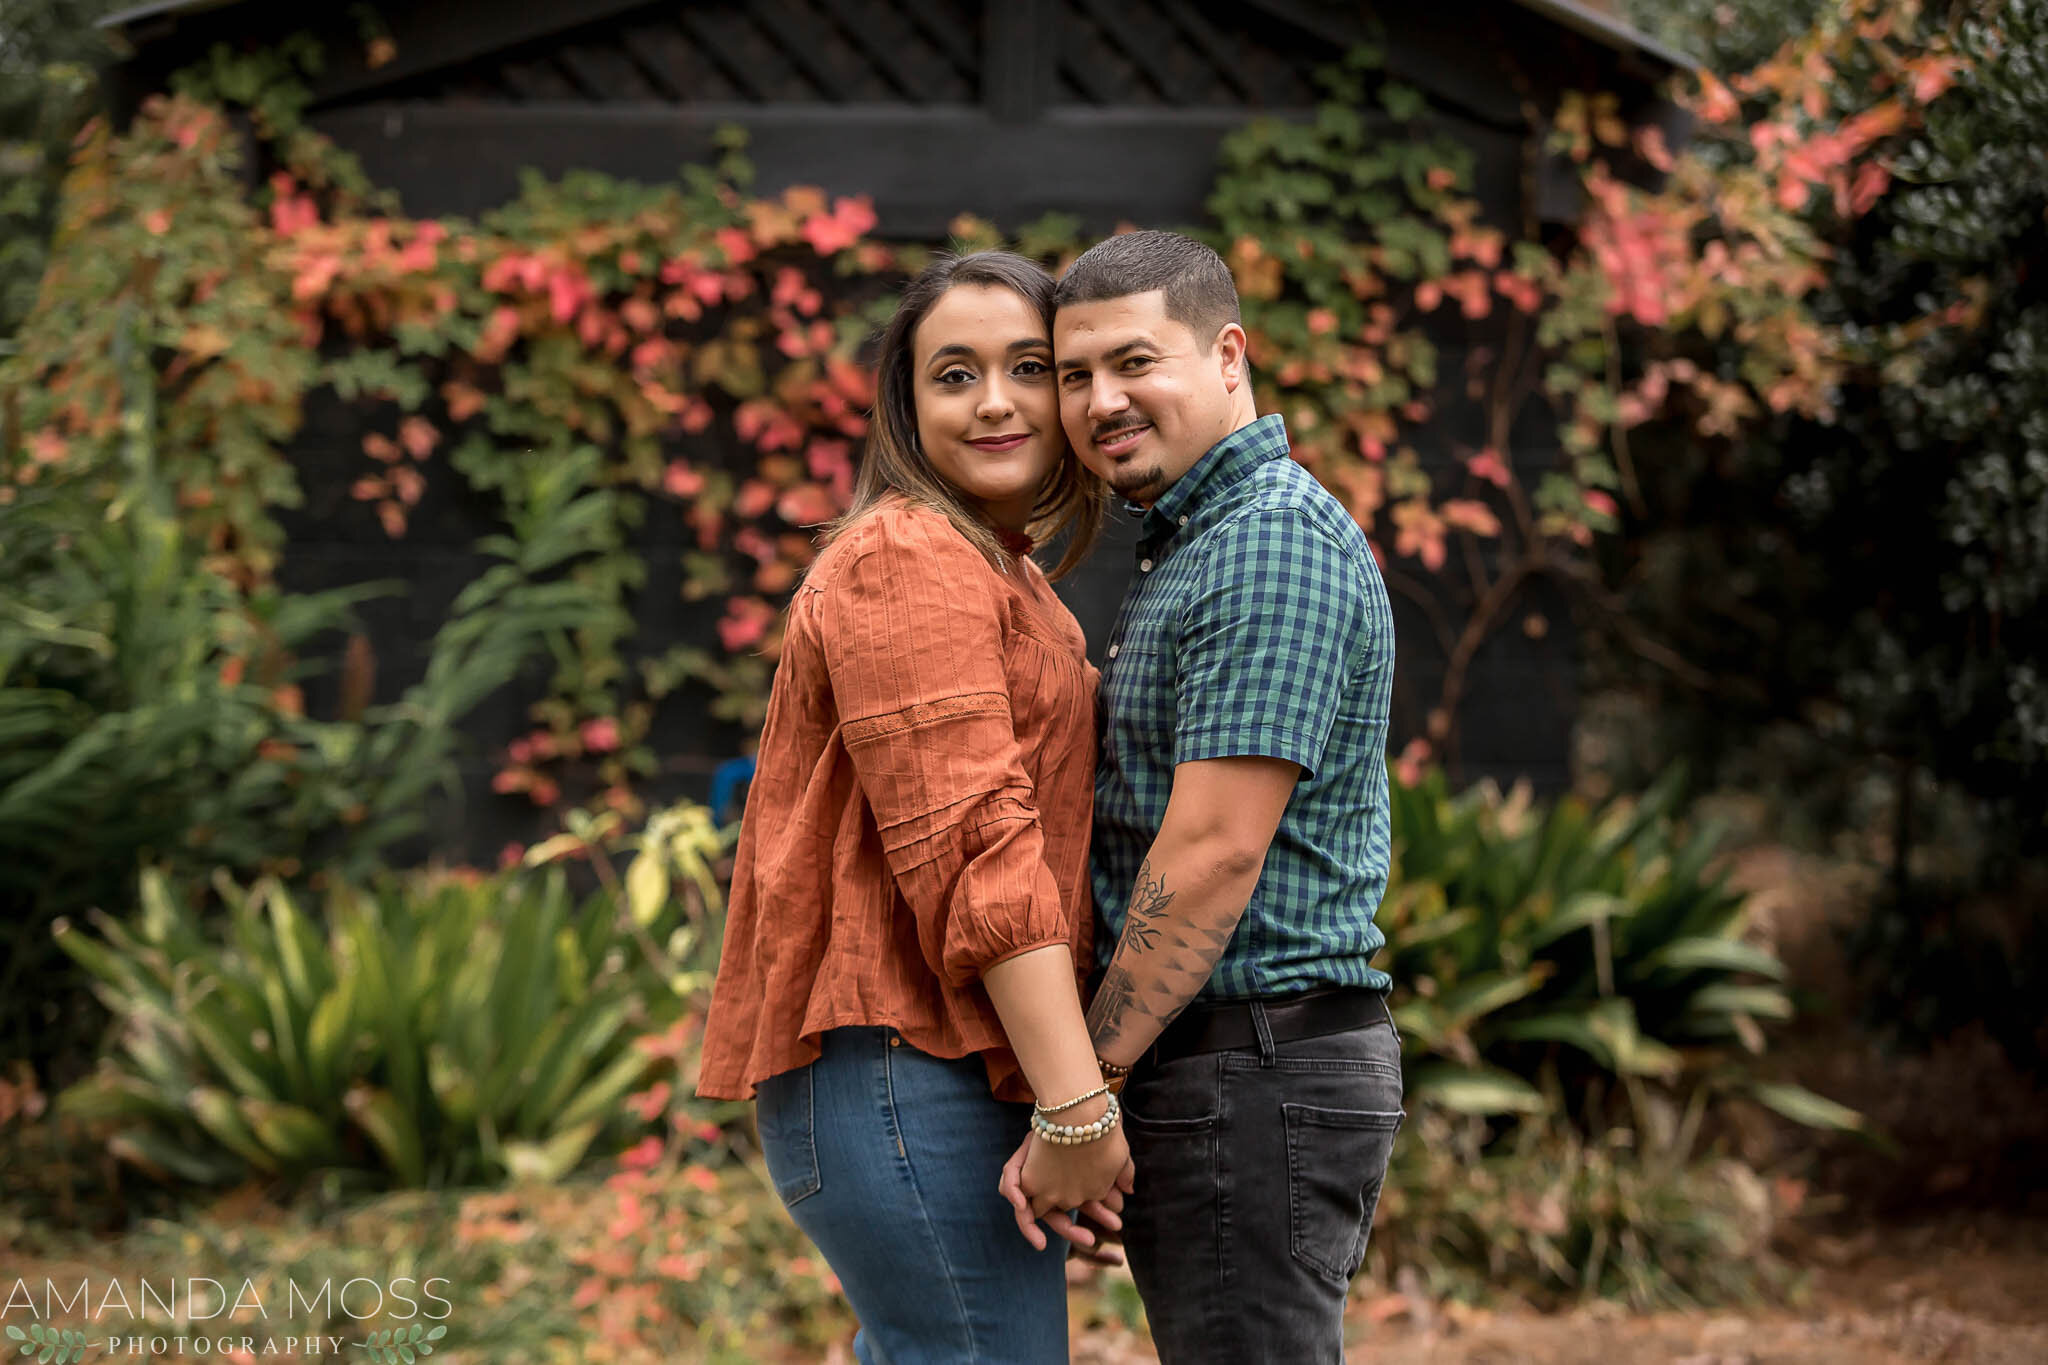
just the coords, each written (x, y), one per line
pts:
(1609, 31)
(1010, 109)
(141, 23)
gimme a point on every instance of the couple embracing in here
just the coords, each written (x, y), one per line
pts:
(948, 795)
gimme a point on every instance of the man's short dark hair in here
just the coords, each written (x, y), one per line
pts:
(1200, 295)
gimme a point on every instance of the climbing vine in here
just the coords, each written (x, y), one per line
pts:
(594, 351)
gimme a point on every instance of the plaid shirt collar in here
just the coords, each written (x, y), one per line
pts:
(1225, 463)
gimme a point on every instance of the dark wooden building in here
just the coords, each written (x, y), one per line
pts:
(1110, 110)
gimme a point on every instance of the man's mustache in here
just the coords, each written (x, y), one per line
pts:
(1104, 432)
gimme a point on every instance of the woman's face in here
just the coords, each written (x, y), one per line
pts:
(988, 415)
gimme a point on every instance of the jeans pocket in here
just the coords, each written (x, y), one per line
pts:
(1336, 1163)
(789, 1138)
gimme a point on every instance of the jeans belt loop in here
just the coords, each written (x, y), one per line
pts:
(1264, 1029)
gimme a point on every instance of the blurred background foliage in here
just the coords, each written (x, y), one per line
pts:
(1854, 591)
(51, 57)
(1805, 575)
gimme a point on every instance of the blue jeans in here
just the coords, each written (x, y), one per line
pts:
(888, 1158)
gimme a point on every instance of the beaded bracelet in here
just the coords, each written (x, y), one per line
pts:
(1078, 1099)
(1073, 1135)
(1111, 1071)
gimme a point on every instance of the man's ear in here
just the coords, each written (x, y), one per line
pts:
(1229, 350)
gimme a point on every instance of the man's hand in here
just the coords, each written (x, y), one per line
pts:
(1106, 1211)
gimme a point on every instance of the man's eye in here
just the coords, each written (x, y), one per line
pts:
(1137, 362)
(1072, 377)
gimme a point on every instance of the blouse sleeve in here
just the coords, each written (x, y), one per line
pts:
(912, 629)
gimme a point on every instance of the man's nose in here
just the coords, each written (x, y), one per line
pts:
(1105, 399)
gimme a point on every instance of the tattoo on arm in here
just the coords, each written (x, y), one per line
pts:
(1117, 996)
(1148, 903)
(1173, 956)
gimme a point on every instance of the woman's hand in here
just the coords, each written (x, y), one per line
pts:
(1060, 1178)
(1044, 1180)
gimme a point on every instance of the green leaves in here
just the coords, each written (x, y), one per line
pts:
(1579, 940)
(423, 1027)
(393, 1345)
(61, 1345)
(1803, 1106)
(1472, 1089)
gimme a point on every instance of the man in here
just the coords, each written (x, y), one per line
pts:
(1241, 832)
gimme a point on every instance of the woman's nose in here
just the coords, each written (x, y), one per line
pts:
(995, 401)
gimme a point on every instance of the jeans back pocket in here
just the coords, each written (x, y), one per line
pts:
(1336, 1163)
(789, 1139)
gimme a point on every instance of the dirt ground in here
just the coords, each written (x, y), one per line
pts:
(1963, 1290)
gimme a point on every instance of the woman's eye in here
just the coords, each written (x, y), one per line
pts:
(956, 375)
(1032, 368)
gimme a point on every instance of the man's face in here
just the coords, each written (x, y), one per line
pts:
(1140, 396)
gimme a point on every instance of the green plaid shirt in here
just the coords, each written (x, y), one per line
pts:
(1257, 624)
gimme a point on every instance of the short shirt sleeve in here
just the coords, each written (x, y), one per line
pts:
(1267, 643)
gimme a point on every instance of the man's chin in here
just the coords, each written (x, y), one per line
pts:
(1139, 485)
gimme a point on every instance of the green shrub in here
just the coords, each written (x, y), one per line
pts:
(1597, 944)
(1860, 580)
(1555, 1215)
(428, 1028)
(144, 712)
(150, 709)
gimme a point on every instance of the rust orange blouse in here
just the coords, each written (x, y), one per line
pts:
(919, 811)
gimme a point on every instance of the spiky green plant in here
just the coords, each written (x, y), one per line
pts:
(426, 1028)
(1599, 942)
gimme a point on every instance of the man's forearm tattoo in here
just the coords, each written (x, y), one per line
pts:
(1173, 958)
(1148, 903)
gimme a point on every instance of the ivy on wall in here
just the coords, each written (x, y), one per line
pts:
(594, 348)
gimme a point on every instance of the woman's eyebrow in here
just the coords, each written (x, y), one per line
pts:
(962, 349)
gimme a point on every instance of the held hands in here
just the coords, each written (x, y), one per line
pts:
(1044, 1181)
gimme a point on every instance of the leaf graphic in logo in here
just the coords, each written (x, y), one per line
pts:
(402, 1345)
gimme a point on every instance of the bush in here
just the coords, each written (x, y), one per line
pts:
(1596, 946)
(50, 55)
(1555, 1216)
(1859, 579)
(428, 1028)
(146, 709)
(1866, 573)
(150, 711)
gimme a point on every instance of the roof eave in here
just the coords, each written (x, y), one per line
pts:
(1609, 31)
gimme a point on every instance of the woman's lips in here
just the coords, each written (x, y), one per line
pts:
(996, 445)
(1122, 442)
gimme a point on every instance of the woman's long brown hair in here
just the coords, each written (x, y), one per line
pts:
(1073, 499)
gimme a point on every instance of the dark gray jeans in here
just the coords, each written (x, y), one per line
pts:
(1258, 1173)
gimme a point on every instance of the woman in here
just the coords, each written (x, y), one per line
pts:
(910, 900)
